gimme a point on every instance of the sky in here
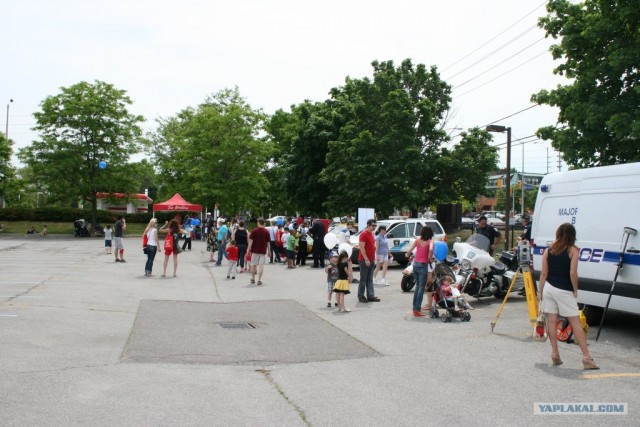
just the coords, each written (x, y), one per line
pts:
(170, 55)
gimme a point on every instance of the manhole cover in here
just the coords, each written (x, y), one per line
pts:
(226, 325)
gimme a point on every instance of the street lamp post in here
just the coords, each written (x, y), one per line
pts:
(522, 184)
(6, 124)
(507, 207)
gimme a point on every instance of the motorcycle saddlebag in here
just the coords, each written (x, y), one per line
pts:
(508, 258)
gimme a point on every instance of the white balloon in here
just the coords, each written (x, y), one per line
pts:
(346, 248)
(330, 240)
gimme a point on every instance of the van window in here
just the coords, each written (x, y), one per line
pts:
(399, 231)
(412, 229)
(418, 229)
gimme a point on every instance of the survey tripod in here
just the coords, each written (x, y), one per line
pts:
(524, 270)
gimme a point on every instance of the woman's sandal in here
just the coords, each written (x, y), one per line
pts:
(589, 363)
(555, 360)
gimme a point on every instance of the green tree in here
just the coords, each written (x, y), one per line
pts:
(463, 169)
(8, 183)
(80, 127)
(389, 136)
(214, 154)
(599, 120)
(302, 138)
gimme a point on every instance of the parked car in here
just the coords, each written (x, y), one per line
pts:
(467, 223)
(354, 240)
(495, 222)
(401, 234)
(275, 218)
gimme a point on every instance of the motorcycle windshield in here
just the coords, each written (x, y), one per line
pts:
(479, 241)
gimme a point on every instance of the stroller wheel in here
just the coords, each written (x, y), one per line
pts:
(467, 316)
(433, 313)
(448, 317)
(443, 318)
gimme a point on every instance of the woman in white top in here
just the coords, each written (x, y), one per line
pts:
(152, 245)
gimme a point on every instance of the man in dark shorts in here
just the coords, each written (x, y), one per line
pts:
(259, 249)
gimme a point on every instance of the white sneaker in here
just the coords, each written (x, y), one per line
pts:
(375, 281)
(383, 282)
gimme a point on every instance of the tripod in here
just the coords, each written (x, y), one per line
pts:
(530, 291)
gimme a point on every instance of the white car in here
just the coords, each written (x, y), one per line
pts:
(495, 222)
(401, 235)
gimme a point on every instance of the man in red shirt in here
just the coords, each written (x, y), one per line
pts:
(366, 259)
(259, 241)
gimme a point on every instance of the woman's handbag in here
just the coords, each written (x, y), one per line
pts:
(540, 330)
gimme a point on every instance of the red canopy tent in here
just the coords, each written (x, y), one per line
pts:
(176, 203)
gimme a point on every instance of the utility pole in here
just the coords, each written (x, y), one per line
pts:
(559, 162)
(548, 160)
(6, 128)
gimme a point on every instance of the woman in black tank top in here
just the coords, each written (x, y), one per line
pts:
(558, 291)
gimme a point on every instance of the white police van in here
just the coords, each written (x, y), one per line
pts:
(600, 202)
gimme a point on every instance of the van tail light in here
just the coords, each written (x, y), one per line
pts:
(446, 239)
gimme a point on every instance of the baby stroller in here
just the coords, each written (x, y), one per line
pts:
(99, 230)
(448, 304)
(80, 227)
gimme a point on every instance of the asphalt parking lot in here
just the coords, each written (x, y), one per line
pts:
(87, 341)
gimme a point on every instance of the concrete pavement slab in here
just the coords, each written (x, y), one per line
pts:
(74, 310)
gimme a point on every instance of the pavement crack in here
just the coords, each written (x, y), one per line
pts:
(267, 374)
(68, 368)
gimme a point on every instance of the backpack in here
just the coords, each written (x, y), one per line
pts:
(145, 240)
(279, 234)
(168, 242)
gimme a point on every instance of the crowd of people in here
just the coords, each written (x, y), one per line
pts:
(285, 242)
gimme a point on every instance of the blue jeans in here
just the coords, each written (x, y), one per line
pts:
(420, 273)
(222, 245)
(151, 255)
(275, 252)
(366, 279)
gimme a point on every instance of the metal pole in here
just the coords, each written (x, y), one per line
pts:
(6, 128)
(507, 201)
(628, 231)
(522, 182)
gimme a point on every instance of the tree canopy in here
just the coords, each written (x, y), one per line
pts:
(214, 154)
(83, 125)
(599, 120)
(7, 171)
(379, 143)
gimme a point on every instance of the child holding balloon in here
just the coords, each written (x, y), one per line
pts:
(343, 284)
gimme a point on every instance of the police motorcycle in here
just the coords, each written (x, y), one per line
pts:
(444, 265)
(512, 260)
(479, 273)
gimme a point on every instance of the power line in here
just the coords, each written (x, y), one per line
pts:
(494, 51)
(503, 74)
(511, 115)
(499, 63)
(494, 37)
